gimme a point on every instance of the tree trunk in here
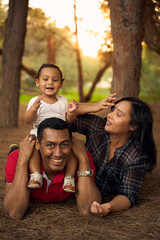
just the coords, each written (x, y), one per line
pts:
(51, 49)
(151, 25)
(127, 31)
(12, 56)
(78, 55)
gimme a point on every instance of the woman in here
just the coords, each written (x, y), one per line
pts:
(123, 150)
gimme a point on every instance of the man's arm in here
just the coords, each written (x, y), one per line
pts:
(16, 199)
(87, 192)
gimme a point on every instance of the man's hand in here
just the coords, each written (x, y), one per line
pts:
(26, 148)
(100, 210)
(78, 148)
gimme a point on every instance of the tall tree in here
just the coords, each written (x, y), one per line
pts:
(152, 25)
(12, 56)
(127, 32)
(99, 74)
(51, 48)
(78, 55)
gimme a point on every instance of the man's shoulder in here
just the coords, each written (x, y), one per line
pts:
(10, 166)
(13, 155)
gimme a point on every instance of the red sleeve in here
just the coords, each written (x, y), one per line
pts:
(10, 166)
(92, 164)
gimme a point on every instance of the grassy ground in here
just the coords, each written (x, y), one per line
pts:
(60, 221)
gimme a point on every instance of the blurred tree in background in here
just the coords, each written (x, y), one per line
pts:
(128, 77)
(13, 46)
(45, 42)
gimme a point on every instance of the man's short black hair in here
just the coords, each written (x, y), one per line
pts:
(53, 123)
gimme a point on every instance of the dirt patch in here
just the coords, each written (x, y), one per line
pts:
(63, 221)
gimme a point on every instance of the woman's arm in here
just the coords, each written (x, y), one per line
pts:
(130, 185)
(118, 203)
(85, 108)
(16, 199)
(87, 191)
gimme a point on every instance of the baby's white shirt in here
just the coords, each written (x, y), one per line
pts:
(46, 110)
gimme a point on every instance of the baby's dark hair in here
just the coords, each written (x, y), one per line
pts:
(50, 65)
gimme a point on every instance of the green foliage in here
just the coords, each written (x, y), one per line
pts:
(90, 68)
(150, 80)
(38, 30)
(3, 15)
(36, 39)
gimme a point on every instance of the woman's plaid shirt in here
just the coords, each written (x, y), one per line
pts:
(124, 173)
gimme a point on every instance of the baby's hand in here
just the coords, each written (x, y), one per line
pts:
(72, 106)
(37, 103)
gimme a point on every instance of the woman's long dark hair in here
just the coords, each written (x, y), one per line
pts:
(141, 117)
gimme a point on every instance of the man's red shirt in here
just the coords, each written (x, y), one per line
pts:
(51, 191)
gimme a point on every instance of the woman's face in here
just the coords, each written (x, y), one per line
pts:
(118, 120)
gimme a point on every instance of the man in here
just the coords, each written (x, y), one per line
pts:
(55, 144)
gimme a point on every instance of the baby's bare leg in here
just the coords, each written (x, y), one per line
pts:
(36, 179)
(69, 181)
(35, 162)
(71, 166)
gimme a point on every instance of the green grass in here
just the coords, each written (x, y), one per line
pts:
(24, 98)
(70, 94)
(98, 94)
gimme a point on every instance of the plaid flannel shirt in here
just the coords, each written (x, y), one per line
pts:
(124, 173)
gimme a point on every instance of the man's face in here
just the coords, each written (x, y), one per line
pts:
(55, 149)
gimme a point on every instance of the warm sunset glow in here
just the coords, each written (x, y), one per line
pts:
(91, 27)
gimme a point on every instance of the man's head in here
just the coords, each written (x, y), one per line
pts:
(52, 123)
(54, 143)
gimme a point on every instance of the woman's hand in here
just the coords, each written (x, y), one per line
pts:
(108, 101)
(100, 210)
